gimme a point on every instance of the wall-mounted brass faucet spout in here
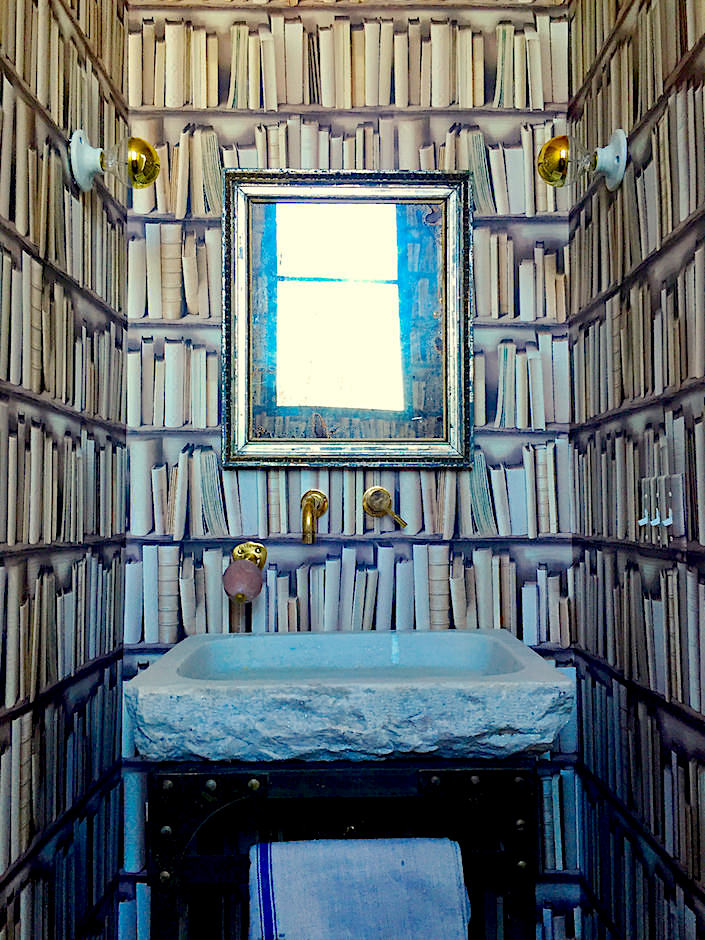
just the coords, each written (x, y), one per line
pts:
(313, 504)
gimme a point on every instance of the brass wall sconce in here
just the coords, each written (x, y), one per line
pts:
(562, 160)
(133, 160)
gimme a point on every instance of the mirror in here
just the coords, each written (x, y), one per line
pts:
(347, 335)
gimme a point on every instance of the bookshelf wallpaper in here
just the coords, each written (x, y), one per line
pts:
(581, 524)
(63, 466)
(352, 87)
(637, 314)
(521, 334)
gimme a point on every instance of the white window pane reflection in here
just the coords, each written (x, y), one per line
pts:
(339, 345)
(333, 240)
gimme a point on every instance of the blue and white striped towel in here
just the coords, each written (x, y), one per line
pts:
(358, 889)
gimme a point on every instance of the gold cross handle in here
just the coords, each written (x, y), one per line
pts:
(378, 502)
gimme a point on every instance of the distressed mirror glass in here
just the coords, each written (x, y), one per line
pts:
(347, 299)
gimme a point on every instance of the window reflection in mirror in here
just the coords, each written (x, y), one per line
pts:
(337, 280)
(347, 301)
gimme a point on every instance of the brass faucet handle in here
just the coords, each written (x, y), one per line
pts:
(377, 501)
(251, 551)
(317, 500)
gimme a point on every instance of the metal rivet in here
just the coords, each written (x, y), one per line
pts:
(167, 784)
(435, 781)
(211, 785)
(520, 824)
(522, 864)
(475, 780)
(519, 780)
(165, 830)
(253, 784)
(164, 877)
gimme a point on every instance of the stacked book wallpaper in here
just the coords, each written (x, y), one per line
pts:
(581, 526)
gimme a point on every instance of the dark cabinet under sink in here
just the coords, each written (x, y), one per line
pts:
(203, 818)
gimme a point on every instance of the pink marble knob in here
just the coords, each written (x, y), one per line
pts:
(242, 580)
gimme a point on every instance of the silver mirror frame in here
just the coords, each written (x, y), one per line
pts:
(238, 448)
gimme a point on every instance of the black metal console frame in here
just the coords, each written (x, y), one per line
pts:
(203, 817)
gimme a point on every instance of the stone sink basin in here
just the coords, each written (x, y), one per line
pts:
(352, 696)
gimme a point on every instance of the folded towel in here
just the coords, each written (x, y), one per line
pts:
(358, 889)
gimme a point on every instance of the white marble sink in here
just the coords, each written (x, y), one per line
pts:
(353, 696)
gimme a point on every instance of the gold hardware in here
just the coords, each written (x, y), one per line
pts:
(251, 551)
(313, 504)
(563, 159)
(378, 502)
(553, 160)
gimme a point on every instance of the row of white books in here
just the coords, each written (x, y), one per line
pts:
(561, 923)
(487, 592)
(173, 273)
(532, 381)
(596, 250)
(104, 27)
(641, 349)
(55, 620)
(80, 235)
(680, 187)
(593, 22)
(176, 383)
(646, 898)
(532, 63)
(25, 37)
(179, 388)
(170, 594)
(507, 286)
(195, 496)
(559, 823)
(134, 914)
(531, 499)
(52, 758)
(45, 348)
(48, 905)
(645, 484)
(656, 776)
(649, 624)
(531, 288)
(614, 234)
(620, 101)
(375, 62)
(663, 32)
(339, 594)
(58, 488)
(503, 174)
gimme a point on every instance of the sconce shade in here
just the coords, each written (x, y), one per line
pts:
(562, 160)
(134, 161)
